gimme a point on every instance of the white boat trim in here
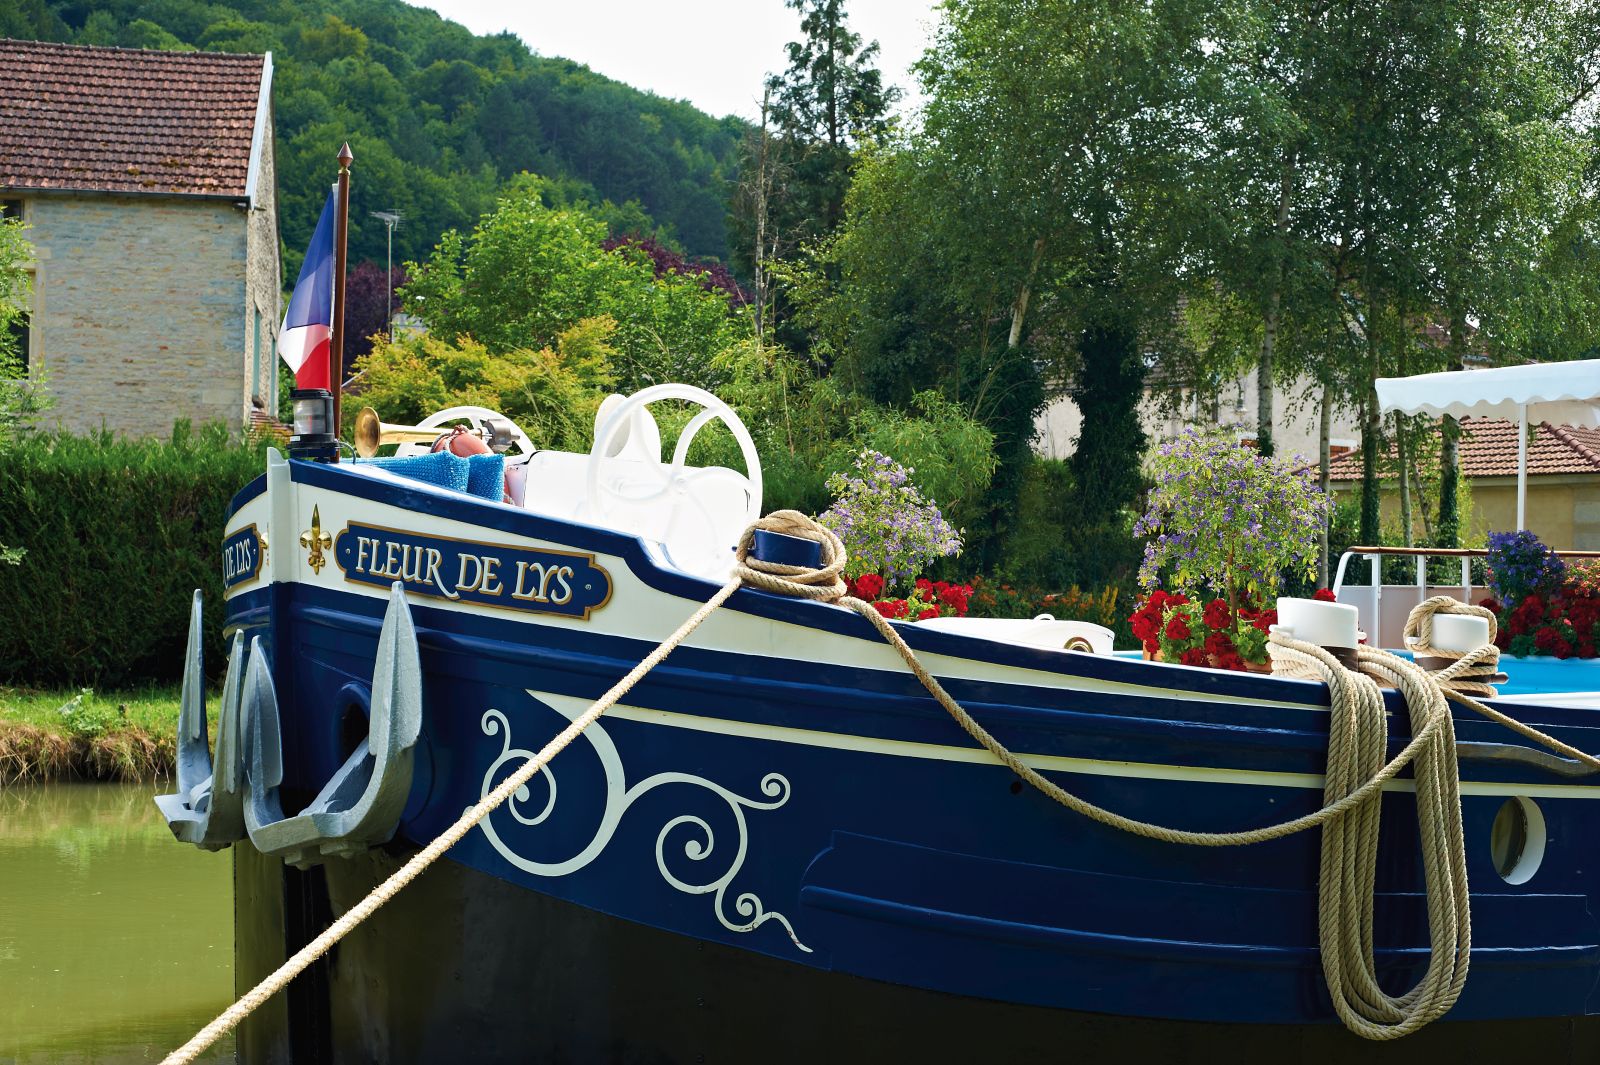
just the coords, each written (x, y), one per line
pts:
(1052, 763)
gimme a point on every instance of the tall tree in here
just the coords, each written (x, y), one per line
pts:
(830, 99)
(828, 103)
(1066, 137)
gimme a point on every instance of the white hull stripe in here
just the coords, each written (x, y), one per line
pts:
(1056, 763)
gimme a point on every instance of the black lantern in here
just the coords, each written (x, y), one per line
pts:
(313, 438)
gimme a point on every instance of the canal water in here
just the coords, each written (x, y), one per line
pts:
(116, 942)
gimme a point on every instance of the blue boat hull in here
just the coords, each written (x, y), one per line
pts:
(463, 966)
(795, 831)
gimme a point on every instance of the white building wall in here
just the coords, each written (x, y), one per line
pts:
(1296, 414)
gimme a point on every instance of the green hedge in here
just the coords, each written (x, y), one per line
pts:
(117, 534)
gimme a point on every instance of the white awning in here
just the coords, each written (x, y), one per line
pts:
(1562, 393)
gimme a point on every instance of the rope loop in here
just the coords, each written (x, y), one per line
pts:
(1474, 673)
(824, 583)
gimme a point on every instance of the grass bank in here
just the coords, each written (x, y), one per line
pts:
(83, 734)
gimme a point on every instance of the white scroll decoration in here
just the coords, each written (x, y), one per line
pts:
(698, 848)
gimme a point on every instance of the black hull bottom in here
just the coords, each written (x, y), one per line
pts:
(464, 967)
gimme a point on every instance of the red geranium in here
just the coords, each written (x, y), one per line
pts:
(1195, 656)
(953, 596)
(868, 586)
(1217, 615)
(1232, 660)
(927, 612)
(1324, 595)
(891, 608)
(1178, 628)
(1219, 644)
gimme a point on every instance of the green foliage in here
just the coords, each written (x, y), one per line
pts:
(1226, 518)
(552, 394)
(886, 524)
(119, 533)
(807, 428)
(1000, 597)
(22, 395)
(530, 271)
(437, 117)
(952, 455)
(1054, 544)
(85, 719)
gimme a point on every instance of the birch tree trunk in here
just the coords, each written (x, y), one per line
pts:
(1324, 458)
(1402, 464)
(1449, 447)
(1019, 309)
(761, 189)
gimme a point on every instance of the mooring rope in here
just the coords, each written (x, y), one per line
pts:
(1356, 774)
(1473, 673)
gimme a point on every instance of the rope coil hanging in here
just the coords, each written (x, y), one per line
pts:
(1349, 817)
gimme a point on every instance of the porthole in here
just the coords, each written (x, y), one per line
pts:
(1516, 840)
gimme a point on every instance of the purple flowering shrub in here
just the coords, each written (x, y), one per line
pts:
(1225, 517)
(886, 524)
(1520, 566)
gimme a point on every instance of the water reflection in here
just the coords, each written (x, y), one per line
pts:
(116, 942)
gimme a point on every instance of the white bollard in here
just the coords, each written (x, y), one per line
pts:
(1459, 632)
(1314, 621)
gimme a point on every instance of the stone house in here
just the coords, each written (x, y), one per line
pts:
(1563, 507)
(147, 184)
(1166, 412)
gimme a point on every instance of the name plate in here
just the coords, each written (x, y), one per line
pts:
(243, 552)
(466, 571)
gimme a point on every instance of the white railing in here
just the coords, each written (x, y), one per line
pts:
(1370, 598)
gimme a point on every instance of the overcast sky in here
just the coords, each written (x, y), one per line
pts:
(713, 53)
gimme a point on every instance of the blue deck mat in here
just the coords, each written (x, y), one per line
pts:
(480, 475)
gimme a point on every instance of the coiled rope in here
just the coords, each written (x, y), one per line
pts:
(1357, 772)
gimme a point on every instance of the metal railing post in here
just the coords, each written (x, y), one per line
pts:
(1375, 637)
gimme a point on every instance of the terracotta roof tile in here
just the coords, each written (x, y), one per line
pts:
(1489, 449)
(126, 120)
(264, 425)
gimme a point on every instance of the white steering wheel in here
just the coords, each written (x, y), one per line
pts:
(473, 416)
(671, 488)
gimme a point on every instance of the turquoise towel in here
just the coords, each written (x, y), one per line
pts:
(486, 476)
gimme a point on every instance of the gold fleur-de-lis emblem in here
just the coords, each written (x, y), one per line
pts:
(317, 541)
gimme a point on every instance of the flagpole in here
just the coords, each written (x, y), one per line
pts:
(340, 232)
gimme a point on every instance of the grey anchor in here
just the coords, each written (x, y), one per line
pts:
(208, 808)
(360, 806)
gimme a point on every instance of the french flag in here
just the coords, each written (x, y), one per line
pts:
(307, 329)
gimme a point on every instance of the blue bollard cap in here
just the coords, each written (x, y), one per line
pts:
(785, 550)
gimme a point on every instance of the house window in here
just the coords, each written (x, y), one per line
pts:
(255, 356)
(10, 208)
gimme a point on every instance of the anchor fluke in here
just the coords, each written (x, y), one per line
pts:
(360, 806)
(205, 810)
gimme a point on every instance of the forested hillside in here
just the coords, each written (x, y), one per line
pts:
(438, 118)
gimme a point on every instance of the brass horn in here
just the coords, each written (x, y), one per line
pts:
(372, 434)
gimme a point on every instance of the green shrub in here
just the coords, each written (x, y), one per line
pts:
(1056, 544)
(118, 534)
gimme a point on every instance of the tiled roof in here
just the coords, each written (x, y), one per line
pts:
(264, 425)
(1489, 449)
(126, 120)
